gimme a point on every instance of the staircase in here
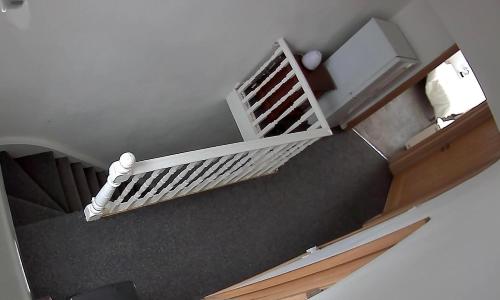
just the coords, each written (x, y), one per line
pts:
(41, 186)
(275, 109)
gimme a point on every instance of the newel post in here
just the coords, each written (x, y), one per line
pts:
(119, 171)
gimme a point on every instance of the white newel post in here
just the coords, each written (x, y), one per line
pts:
(119, 171)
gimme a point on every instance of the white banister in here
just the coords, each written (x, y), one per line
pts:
(276, 53)
(270, 93)
(119, 171)
(276, 124)
(271, 125)
(250, 95)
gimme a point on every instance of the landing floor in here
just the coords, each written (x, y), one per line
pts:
(193, 246)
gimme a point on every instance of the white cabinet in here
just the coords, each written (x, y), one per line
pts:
(364, 67)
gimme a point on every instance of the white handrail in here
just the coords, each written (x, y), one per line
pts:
(165, 178)
(224, 150)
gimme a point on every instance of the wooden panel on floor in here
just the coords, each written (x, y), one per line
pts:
(336, 261)
(443, 169)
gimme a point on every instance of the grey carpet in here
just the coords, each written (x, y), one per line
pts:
(19, 184)
(25, 212)
(42, 169)
(193, 246)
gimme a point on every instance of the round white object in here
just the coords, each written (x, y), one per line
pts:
(311, 59)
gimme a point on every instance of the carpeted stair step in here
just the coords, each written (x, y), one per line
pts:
(102, 177)
(43, 169)
(92, 180)
(19, 184)
(68, 184)
(81, 183)
(25, 212)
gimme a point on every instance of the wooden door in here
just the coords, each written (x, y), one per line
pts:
(444, 160)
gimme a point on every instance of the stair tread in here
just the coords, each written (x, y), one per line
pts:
(92, 180)
(42, 169)
(68, 184)
(81, 183)
(25, 212)
(19, 184)
(102, 177)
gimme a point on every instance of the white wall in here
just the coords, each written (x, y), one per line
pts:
(426, 34)
(150, 77)
(13, 283)
(454, 256)
(475, 25)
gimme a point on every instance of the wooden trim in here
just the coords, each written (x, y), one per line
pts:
(317, 280)
(404, 86)
(297, 297)
(464, 124)
(332, 262)
(435, 172)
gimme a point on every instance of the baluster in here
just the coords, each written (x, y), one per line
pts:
(302, 119)
(299, 147)
(250, 95)
(268, 160)
(264, 160)
(276, 53)
(126, 191)
(159, 184)
(203, 176)
(272, 91)
(255, 162)
(271, 125)
(293, 90)
(132, 201)
(119, 171)
(222, 179)
(316, 125)
(203, 180)
(220, 171)
(240, 167)
(170, 186)
(185, 182)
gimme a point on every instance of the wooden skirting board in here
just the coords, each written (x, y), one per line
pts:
(317, 275)
(444, 160)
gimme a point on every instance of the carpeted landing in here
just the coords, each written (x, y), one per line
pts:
(192, 246)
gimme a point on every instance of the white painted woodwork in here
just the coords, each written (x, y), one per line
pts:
(127, 190)
(276, 53)
(201, 170)
(283, 64)
(271, 92)
(245, 108)
(271, 125)
(302, 119)
(294, 89)
(165, 178)
(119, 171)
(209, 175)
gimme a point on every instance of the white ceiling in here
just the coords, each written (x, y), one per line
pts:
(105, 77)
